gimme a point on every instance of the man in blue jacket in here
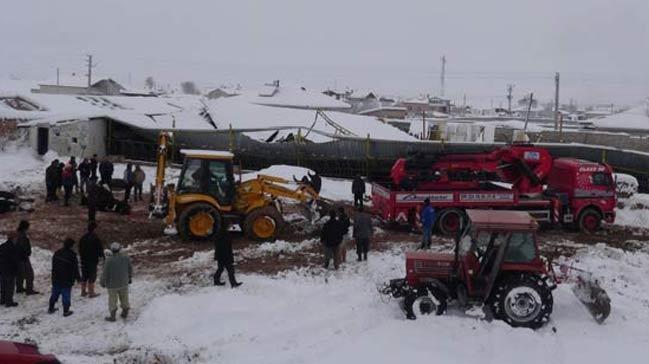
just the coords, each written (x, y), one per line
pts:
(427, 218)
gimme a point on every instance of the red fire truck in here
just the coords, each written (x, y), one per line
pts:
(517, 177)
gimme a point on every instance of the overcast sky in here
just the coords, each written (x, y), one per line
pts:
(600, 47)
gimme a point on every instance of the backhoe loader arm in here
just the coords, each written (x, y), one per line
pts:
(158, 207)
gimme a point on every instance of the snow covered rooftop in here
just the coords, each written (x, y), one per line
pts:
(636, 118)
(208, 153)
(292, 96)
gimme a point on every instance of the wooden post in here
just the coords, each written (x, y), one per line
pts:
(423, 125)
(231, 139)
(367, 155)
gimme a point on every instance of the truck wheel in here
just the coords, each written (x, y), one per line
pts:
(427, 301)
(263, 224)
(450, 221)
(589, 221)
(523, 300)
(200, 221)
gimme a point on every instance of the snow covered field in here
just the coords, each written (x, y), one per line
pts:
(309, 315)
(317, 316)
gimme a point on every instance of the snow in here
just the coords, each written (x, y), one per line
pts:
(636, 118)
(310, 315)
(332, 188)
(635, 211)
(243, 115)
(292, 96)
(626, 184)
(210, 153)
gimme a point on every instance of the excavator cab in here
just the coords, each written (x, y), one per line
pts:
(205, 191)
(208, 175)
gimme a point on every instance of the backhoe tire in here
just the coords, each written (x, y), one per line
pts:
(199, 221)
(450, 221)
(590, 220)
(522, 300)
(425, 301)
(263, 224)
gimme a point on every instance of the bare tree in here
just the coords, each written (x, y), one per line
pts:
(189, 88)
(150, 83)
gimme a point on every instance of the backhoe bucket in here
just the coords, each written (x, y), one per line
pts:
(594, 297)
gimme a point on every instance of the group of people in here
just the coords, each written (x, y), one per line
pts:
(335, 232)
(86, 177)
(68, 268)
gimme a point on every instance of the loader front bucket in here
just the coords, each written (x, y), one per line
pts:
(594, 297)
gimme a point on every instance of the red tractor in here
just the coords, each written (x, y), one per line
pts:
(496, 263)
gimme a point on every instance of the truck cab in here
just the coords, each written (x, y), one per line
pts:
(585, 190)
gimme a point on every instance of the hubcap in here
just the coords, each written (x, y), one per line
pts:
(522, 304)
(201, 223)
(424, 305)
(263, 227)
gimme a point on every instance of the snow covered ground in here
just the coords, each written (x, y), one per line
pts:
(310, 315)
(317, 316)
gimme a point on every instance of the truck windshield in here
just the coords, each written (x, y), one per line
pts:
(600, 179)
(521, 248)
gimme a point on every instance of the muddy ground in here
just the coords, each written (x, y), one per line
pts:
(155, 253)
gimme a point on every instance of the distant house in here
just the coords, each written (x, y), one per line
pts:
(79, 86)
(222, 92)
(386, 112)
(426, 104)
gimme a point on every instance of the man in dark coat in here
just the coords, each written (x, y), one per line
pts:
(93, 166)
(68, 183)
(59, 176)
(51, 180)
(91, 198)
(358, 189)
(331, 238)
(8, 270)
(84, 174)
(25, 280)
(106, 172)
(91, 250)
(344, 224)
(362, 233)
(224, 257)
(65, 272)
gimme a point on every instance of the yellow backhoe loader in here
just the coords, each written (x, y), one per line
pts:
(207, 195)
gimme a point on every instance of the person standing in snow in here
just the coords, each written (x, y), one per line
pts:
(344, 224)
(358, 190)
(25, 281)
(91, 199)
(331, 239)
(116, 276)
(93, 166)
(224, 257)
(65, 272)
(91, 250)
(362, 233)
(68, 183)
(51, 181)
(138, 182)
(427, 218)
(129, 179)
(8, 270)
(73, 162)
(84, 175)
(59, 176)
(106, 172)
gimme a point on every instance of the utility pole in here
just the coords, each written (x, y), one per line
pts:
(529, 109)
(443, 76)
(57, 76)
(510, 88)
(90, 67)
(556, 101)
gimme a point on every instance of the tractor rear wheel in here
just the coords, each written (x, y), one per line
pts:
(263, 224)
(426, 301)
(523, 300)
(200, 221)
(589, 221)
(450, 221)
